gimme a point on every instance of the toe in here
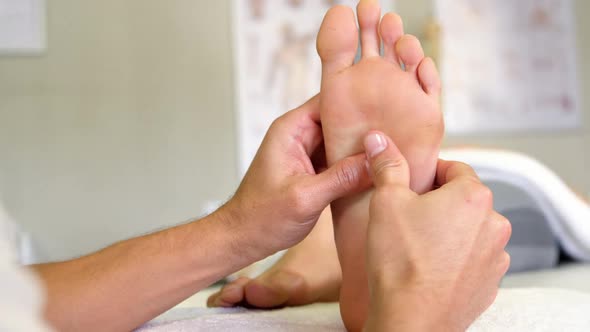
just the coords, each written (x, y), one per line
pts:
(261, 295)
(230, 295)
(369, 14)
(410, 52)
(392, 29)
(429, 77)
(275, 290)
(337, 41)
(212, 300)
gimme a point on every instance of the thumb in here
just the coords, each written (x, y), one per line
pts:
(387, 165)
(347, 176)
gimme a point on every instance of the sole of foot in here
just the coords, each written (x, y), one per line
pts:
(397, 93)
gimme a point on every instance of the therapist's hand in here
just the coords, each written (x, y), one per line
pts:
(287, 186)
(434, 261)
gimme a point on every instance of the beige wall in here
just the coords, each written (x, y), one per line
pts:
(126, 124)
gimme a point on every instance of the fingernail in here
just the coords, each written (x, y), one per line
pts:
(375, 144)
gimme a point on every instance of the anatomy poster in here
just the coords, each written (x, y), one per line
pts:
(277, 66)
(508, 65)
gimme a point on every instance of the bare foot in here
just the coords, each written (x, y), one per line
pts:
(307, 273)
(377, 93)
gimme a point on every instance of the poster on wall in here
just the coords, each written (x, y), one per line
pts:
(508, 65)
(22, 26)
(277, 66)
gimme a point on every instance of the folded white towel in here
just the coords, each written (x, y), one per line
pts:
(568, 215)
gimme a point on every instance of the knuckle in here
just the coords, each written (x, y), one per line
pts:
(505, 230)
(478, 193)
(486, 194)
(505, 260)
(388, 163)
(468, 185)
(348, 174)
(458, 167)
(462, 165)
(277, 122)
(281, 121)
(500, 229)
(298, 199)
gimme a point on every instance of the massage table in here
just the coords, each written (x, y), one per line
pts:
(554, 300)
(539, 294)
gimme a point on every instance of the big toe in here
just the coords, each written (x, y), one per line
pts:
(230, 295)
(337, 41)
(275, 290)
(410, 52)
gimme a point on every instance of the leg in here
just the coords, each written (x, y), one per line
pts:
(307, 273)
(376, 93)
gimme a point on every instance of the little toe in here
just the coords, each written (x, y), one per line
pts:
(392, 29)
(337, 41)
(369, 15)
(410, 52)
(429, 77)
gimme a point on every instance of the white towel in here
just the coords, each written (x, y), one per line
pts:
(567, 214)
(531, 310)
(21, 300)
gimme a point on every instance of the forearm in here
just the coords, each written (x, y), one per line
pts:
(133, 281)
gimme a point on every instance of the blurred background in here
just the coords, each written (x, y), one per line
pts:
(127, 122)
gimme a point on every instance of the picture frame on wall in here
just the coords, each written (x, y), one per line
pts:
(23, 27)
(277, 66)
(513, 70)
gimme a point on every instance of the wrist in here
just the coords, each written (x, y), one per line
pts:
(244, 238)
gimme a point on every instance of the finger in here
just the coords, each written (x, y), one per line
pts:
(504, 263)
(501, 230)
(346, 177)
(447, 171)
(494, 235)
(301, 126)
(311, 139)
(387, 164)
(312, 108)
(318, 159)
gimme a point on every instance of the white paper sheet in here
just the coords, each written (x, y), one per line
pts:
(276, 62)
(22, 26)
(508, 65)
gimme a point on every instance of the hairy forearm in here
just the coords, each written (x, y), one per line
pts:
(131, 282)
